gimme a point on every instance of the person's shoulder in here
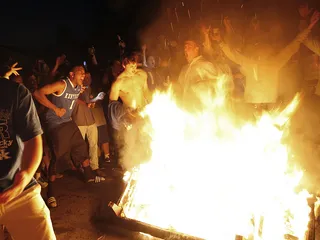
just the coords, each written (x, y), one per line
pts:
(63, 80)
(184, 67)
(8, 83)
(121, 76)
(11, 87)
(141, 72)
(118, 82)
(204, 62)
(146, 69)
(61, 83)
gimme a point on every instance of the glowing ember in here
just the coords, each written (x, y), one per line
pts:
(212, 179)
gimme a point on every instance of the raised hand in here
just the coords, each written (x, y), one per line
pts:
(314, 18)
(91, 51)
(144, 47)
(205, 29)
(227, 22)
(304, 11)
(13, 70)
(61, 59)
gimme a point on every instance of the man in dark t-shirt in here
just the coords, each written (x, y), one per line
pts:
(23, 212)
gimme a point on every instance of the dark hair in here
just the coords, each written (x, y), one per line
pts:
(4, 68)
(302, 3)
(76, 68)
(129, 58)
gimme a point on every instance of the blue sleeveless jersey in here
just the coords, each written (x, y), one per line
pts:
(66, 100)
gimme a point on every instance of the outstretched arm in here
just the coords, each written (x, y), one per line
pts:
(234, 55)
(284, 56)
(41, 96)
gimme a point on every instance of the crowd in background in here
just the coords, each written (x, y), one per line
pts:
(264, 69)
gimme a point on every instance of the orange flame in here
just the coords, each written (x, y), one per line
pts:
(212, 179)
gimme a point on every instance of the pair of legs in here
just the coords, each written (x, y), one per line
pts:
(68, 150)
(44, 163)
(27, 217)
(103, 142)
(91, 133)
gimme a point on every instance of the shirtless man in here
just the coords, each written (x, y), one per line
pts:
(132, 88)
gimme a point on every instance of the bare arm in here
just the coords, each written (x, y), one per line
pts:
(27, 126)
(41, 94)
(59, 61)
(54, 71)
(293, 47)
(31, 158)
(285, 54)
(94, 60)
(234, 56)
(207, 46)
(144, 57)
(146, 92)
(230, 32)
(115, 91)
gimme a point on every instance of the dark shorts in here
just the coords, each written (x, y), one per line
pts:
(103, 134)
(67, 147)
(117, 115)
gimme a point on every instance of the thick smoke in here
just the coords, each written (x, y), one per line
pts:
(135, 144)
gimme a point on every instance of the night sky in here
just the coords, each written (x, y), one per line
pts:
(69, 25)
(38, 23)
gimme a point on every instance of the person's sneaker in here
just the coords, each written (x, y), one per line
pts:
(107, 160)
(42, 182)
(52, 202)
(96, 179)
(58, 175)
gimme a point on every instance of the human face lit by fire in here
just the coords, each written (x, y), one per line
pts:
(151, 62)
(191, 50)
(131, 67)
(78, 75)
(304, 9)
(215, 34)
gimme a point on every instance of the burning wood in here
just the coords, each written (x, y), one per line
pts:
(248, 161)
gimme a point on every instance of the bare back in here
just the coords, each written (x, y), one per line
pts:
(132, 89)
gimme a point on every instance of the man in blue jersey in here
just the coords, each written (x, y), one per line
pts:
(23, 211)
(63, 134)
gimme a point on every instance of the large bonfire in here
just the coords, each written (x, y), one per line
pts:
(211, 178)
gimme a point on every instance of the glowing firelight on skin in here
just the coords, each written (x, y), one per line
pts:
(212, 179)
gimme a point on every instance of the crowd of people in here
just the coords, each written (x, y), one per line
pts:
(83, 109)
